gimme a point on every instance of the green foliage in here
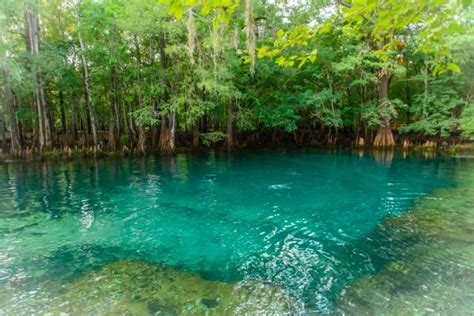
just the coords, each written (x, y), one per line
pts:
(437, 110)
(283, 116)
(370, 114)
(467, 122)
(124, 140)
(211, 138)
(145, 117)
(246, 120)
(319, 66)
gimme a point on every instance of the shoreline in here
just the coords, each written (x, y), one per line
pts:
(69, 154)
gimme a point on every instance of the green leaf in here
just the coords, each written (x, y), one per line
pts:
(454, 68)
(303, 61)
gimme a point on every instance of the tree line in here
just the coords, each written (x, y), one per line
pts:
(149, 76)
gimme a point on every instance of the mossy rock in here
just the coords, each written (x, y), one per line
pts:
(132, 287)
(435, 274)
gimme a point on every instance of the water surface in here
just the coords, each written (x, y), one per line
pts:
(308, 223)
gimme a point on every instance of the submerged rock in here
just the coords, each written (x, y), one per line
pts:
(137, 288)
(161, 308)
(210, 302)
(435, 273)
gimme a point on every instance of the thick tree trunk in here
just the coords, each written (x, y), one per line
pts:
(168, 134)
(33, 46)
(13, 125)
(230, 129)
(384, 137)
(164, 143)
(87, 93)
(141, 144)
(154, 137)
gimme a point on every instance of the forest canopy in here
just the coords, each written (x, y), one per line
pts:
(153, 75)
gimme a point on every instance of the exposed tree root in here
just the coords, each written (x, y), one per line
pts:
(384, 137)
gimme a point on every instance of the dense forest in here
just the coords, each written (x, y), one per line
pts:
(147, 76)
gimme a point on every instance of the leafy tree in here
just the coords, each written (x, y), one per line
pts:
(149, 76)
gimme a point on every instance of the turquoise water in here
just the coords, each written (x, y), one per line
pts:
(303, 221)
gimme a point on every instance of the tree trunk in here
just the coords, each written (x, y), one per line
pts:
(112, 141)
(154, 137)
(33, 46)
(164, 143)
(172, 142)
(331, 138)
(424, 71)
(13, 125)
(129, 119)
(115, 90)
(63, 113)
(116, 106)
(112, 121)
(168, 134)
(384, 137)
(2, 130)
(141, 143)
(87, 93)
(230, 130)
(196, 134)
(74, 108)
(168, 121)
(407, 97)
(155, 101)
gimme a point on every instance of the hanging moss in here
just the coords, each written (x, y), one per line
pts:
(251, 38)
(235, 38)
(191, 35)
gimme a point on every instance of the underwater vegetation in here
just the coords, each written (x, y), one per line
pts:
(432, 266)
(98, 242)
(133, 287)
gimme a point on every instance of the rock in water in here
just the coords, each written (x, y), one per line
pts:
(137, 288)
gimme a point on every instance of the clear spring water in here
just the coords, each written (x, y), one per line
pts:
(306, 222)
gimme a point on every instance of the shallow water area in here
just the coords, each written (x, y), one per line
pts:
(282, 232)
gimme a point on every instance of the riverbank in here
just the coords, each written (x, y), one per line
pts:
(426, 149)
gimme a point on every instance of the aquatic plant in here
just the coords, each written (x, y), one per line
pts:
(131, 287)
(435, 273)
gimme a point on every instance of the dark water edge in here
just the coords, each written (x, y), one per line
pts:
(430, 269)
(68, 154)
